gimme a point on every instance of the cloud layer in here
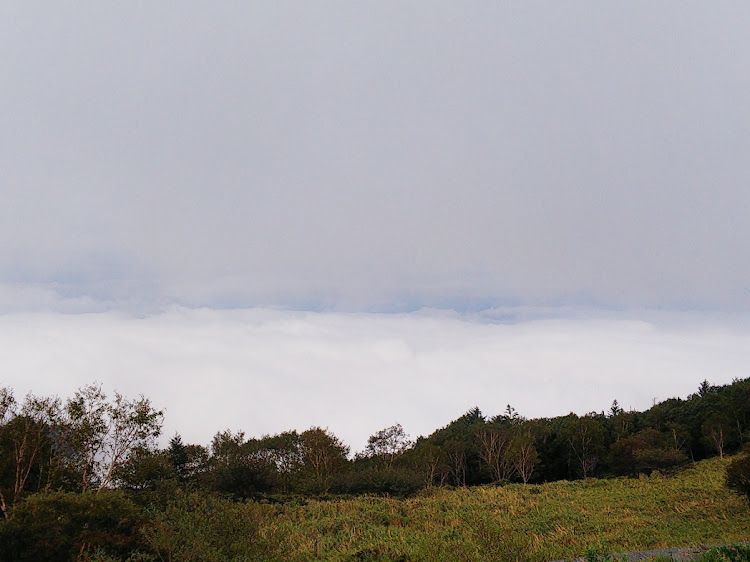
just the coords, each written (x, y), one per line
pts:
(267, 371)
(382, 157)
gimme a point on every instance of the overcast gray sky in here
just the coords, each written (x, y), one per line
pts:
(384, 155)
(520, 186)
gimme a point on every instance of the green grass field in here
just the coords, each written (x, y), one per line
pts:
(535, 522)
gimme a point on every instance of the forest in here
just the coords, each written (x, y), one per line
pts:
(84, 479)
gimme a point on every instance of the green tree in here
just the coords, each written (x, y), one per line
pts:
(646, 451)
(7, 407)
(25, 442)
(738, 397)
(101, 434)
(456, 451)
(387, 444)
(186, 462)
(738, 475)
(705, 388)
(284, 452)
(143, 469)
(717, 430)
(615, 409)
(462, 451)
(429, 461)
(587, 440)
(237, 468)
(509, 417)
(494, 441)
(523, 454)
(178, 456)
(323, 456)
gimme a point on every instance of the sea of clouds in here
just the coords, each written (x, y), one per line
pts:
(265, 371)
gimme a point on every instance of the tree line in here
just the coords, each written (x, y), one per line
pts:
(92, 442)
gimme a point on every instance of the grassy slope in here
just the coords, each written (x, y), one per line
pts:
(535, 522)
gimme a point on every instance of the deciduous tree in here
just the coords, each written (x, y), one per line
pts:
(101, 434)
(25, 440)
(388, 443)
(493, 448)
(523, 454)
(324, 455)
(586, 439)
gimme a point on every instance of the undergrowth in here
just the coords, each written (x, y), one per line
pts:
(559, 520)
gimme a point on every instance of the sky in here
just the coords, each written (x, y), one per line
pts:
(556, 186)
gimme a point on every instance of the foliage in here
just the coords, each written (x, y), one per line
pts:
(236, 469)
(323, 457)
(598, 552)
(93, 442)
(494, 447)
(738, 475)
(387, 444)
(190, 463)
(208, 529)
(511, 522)
(143, 469)
(558, 520)
(730, 553)
(646, 451)
(257, 495)
(25, 432)
(428, 461)
(586, 437)
(70, 526)
(523, 454)
(390, 481)
(102, 434)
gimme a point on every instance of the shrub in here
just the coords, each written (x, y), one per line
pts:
(738, 475)
(210, 529)
(70, 526)
(731, 553)
(393, 481)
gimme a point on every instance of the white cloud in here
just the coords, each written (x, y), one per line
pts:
(267, 371)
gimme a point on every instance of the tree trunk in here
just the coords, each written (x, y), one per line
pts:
(3, 507)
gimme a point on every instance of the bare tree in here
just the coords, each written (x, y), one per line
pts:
(431, 461)
(493, 447)
(716, 430)
(456, 451)
(524, 455)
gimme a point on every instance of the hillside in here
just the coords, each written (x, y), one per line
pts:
(504, 488)
(534, 522)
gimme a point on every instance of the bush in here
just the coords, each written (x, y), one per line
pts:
(731, 553)
(210, 529)
(644, 452)
(393, 481)
(738, 475)
(70, 526)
